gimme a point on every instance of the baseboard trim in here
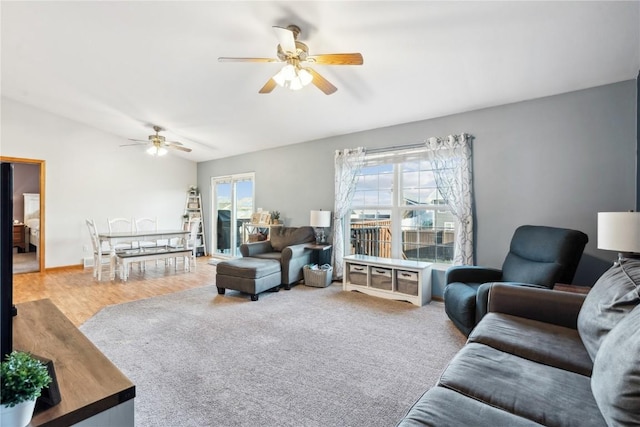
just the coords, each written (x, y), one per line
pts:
(65, 267)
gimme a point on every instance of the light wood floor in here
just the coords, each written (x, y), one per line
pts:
(79, 296)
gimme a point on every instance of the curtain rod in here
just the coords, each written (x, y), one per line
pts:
(394, 148)
(403, 147)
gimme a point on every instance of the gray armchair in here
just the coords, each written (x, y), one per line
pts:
(539, 257)
(287, 245)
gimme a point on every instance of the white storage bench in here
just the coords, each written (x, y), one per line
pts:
(389, 278)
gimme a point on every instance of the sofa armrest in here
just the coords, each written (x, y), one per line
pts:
(255, 248)
(295, 251)
(294, 258)
(544, 305)
(473, 274)
(482, 297)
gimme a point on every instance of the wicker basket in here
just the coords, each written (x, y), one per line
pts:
(317, 278)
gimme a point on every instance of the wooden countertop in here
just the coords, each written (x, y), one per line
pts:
(89, 383)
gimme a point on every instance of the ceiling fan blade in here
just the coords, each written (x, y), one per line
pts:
(322, 83)
(286, 39)
(179, 147)
(174, 142)
(138, 144)
(144, 141)
(268, 86)
(337, 59)
(229, 59)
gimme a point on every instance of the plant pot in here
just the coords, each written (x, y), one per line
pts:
(17, 416)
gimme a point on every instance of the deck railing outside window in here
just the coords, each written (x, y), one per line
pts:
(373, 237)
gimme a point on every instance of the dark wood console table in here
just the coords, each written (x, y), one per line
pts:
(89, 383)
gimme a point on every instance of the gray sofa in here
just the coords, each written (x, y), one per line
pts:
(288, 245)
(543, 357)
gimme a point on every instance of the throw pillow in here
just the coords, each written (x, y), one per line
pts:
(613, 296)
(615, 381)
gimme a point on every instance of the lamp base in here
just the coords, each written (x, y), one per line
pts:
(320, 236)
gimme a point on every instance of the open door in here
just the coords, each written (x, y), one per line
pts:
(28, 214)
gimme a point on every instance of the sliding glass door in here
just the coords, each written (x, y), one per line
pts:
(233, 202)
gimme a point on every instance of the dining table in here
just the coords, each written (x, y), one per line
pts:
(141, 253)
(112, 238)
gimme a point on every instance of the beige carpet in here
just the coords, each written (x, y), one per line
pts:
(305, 357)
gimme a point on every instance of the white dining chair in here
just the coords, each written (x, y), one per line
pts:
(121, 225)
(191, 242)
(102, 253)
(147, 224)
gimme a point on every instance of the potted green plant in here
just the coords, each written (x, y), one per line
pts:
(275, 217)
(22, 377)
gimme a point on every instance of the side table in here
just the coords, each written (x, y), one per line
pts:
(19, 238)
(321, 253)
(571, 288)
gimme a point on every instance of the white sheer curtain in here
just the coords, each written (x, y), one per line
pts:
(348, 163)
(451, 161)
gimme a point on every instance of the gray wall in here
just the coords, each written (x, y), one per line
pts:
(552, 161)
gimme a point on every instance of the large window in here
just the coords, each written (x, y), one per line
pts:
(398, 211)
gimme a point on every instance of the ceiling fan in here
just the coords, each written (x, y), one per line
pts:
(158, 145)
(296, 74)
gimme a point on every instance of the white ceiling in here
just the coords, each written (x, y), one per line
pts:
(122, 66)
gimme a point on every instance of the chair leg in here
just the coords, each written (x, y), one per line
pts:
(95, 267)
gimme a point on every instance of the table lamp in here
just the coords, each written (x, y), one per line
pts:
(619, 231)
(319, 220)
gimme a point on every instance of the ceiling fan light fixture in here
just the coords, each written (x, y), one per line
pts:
(157, 151)
(291, 77)
(304, 76)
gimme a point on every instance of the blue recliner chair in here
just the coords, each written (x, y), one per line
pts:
(539, 256)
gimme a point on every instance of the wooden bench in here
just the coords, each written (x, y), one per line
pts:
(128, 256)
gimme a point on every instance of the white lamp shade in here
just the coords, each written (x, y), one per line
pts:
(320, 219)
(619, 231)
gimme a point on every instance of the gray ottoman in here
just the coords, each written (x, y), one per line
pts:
(249, 275)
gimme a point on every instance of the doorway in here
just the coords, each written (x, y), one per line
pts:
(233, 201)
(28, 214)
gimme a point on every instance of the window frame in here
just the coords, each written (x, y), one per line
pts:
(397, 160)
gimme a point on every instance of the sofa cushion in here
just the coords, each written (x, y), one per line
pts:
(518, 269)
(543, 255)
(616, 373)
(248, 268)
(613, 296)
(544, 394)
(281, 237)
(541, 342)
(440, 407)
(269, 255)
